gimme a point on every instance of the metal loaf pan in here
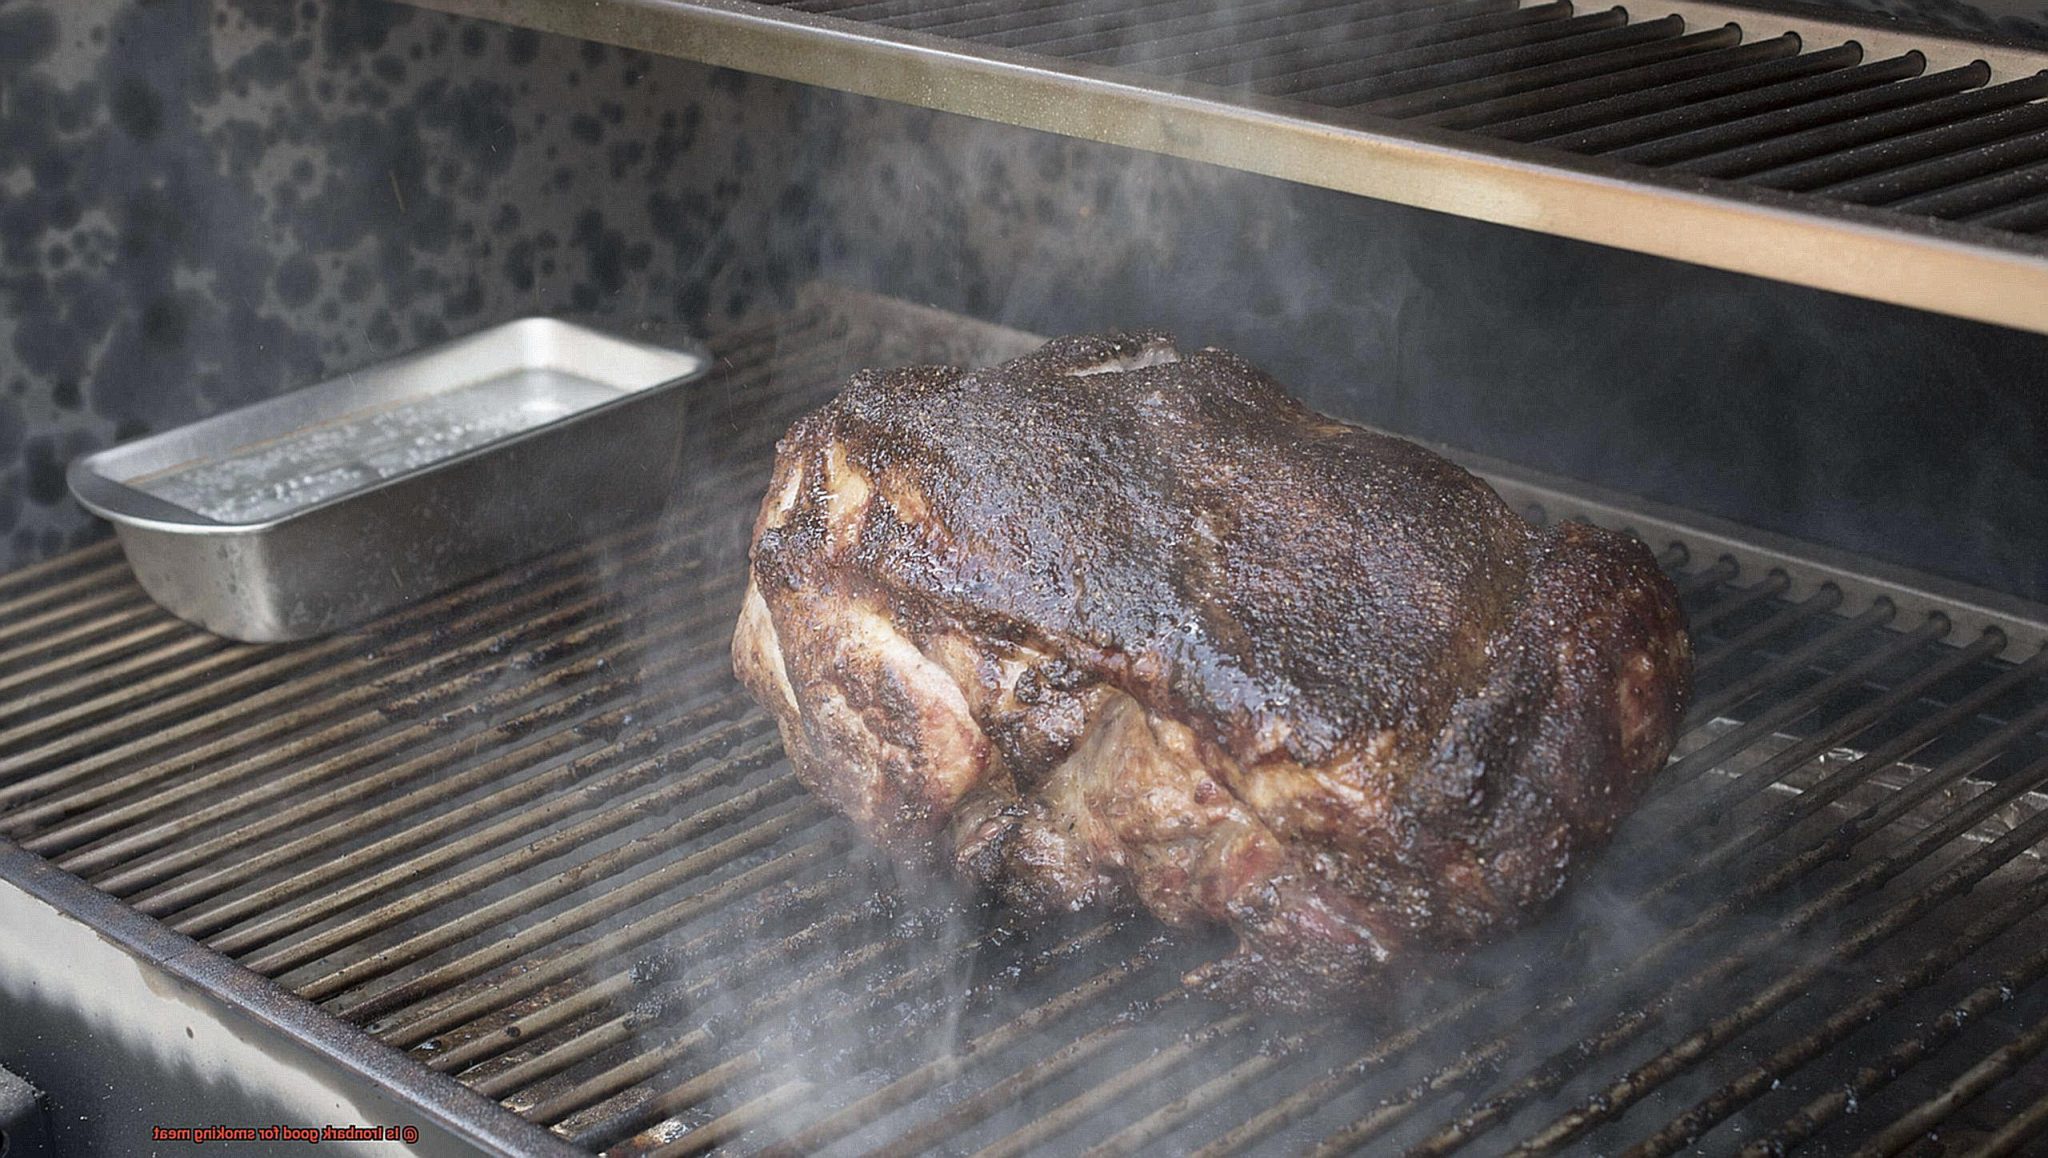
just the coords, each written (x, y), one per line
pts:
(313, 511)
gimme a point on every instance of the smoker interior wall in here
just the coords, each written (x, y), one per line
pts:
(203, 204)
(207, 204)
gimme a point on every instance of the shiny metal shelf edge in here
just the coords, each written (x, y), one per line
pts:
(1941, 267)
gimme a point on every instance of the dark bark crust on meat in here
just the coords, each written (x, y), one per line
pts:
(1111, 622)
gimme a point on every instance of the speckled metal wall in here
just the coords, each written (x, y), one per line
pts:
(204, 204)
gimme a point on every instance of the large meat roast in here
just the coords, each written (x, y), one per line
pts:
(1113, 622)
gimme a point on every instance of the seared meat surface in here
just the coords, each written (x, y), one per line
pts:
(1111, 623)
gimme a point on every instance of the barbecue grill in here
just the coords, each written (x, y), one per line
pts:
(532, 836)
(521, 867)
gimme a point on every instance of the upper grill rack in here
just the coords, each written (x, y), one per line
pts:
(1697, 96)
(1910, 169)
(531, 833)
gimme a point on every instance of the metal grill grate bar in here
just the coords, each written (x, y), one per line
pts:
(1482, 58)
(1792, 708)
(1982, 195)
(1758, 1079)
(1648, 46)
(703, 728)
(937, 1073)
(621, 987)
(1197, 27)
(64, 598)
(1833, 174)
(1738, 600)
(1783, 94)
(413, 1027)
(1770, 118)
(23, 637)
(819, 972)
(619, 1030)
(30, 586)
(1650, 89)
(1708, 704)
(475, 665)
(33, 689)
(1957, 177)
(1272, 47)
(2030, 214)
(1019, 28)
(684, 739)
(136, 720)
(1972, 1085)
(1817, 155)
(1840, 731)
(617, 898)
(1625, 1028)
(527, 900)
(1982, 1001)
(129, 830)
(228, 871)
(1639, 1082)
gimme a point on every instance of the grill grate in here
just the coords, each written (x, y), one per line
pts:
(531, 833)
(1663, 92)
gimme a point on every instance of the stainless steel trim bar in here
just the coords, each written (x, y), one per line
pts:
(1966, 271)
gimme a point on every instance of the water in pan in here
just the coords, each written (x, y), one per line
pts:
(270, 479)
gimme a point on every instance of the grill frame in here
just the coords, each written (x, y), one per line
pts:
(281, 1027)
(530, 714)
